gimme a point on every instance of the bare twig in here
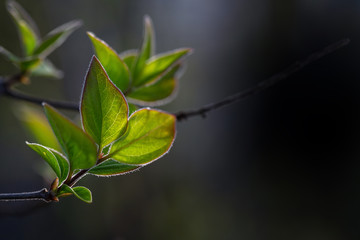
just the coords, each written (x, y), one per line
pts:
(182, 115)
(42, 194)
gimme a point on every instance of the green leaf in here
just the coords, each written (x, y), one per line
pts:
(55, 38)
(113, 64)
(150, 135)
(36, 123)
(47, 69)
(10, 56)
(147, 49)
(82, 193)
(104, 110)
(26, 27)
(159, 64)
(112, 168)
(47, 155)
(76, 144)
(129, 57)
(158, 93)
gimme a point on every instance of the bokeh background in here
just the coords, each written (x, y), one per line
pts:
(283, 164)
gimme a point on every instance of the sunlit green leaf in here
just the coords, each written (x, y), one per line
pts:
(26, 27)
(82, 193)
(47, 69)
(159, 64)
(129, 57)
(158, 93)
(47, 155)
(147, 49)
(36, 123)
(104, 110)
(113, 64)
(77, 145)
(55, 38)
(150, 135)
(112, 168)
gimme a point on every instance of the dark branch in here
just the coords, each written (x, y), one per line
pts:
(42, 194)
(264, 84)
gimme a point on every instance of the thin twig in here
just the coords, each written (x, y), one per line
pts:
(42, 194)
(182, 115)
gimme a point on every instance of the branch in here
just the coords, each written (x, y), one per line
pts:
(42, 194)
(297, 66)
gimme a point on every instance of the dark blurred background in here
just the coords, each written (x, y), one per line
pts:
(283, 164)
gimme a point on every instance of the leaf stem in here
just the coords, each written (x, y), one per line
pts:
(42, 194)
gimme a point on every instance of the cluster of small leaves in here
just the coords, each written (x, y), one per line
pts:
(35, 48)
(116, 136)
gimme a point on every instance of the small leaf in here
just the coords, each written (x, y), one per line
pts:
(158, 93)
(129, 57)
(36, 123)
(104, 110)
(10, 56)
(147, 49)
(150, 135)
(77, 145)
(47, 155)
(113, 64)
(63, 164)
(159, 64)
(112, 168)
(27, 29)
(82, 193)
(47, 69)
(55, 38)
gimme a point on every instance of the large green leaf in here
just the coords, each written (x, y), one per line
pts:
(55, 38)
(104, 110)
(112, 168)
(82, 193)
(26, 27)
(113, 64)
(147, 49)
(76, 144)
(150, 135)
(159, 64)
(158, 93)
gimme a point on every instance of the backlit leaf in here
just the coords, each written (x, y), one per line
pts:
(55, 38)
(115, 67)
(147, 49)
(77, 145)
(150, 135)
(63, 164)
(129, 57)
(82, 193)
(159, 64)
(112, 168)
(104, 110)
(26, 27)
